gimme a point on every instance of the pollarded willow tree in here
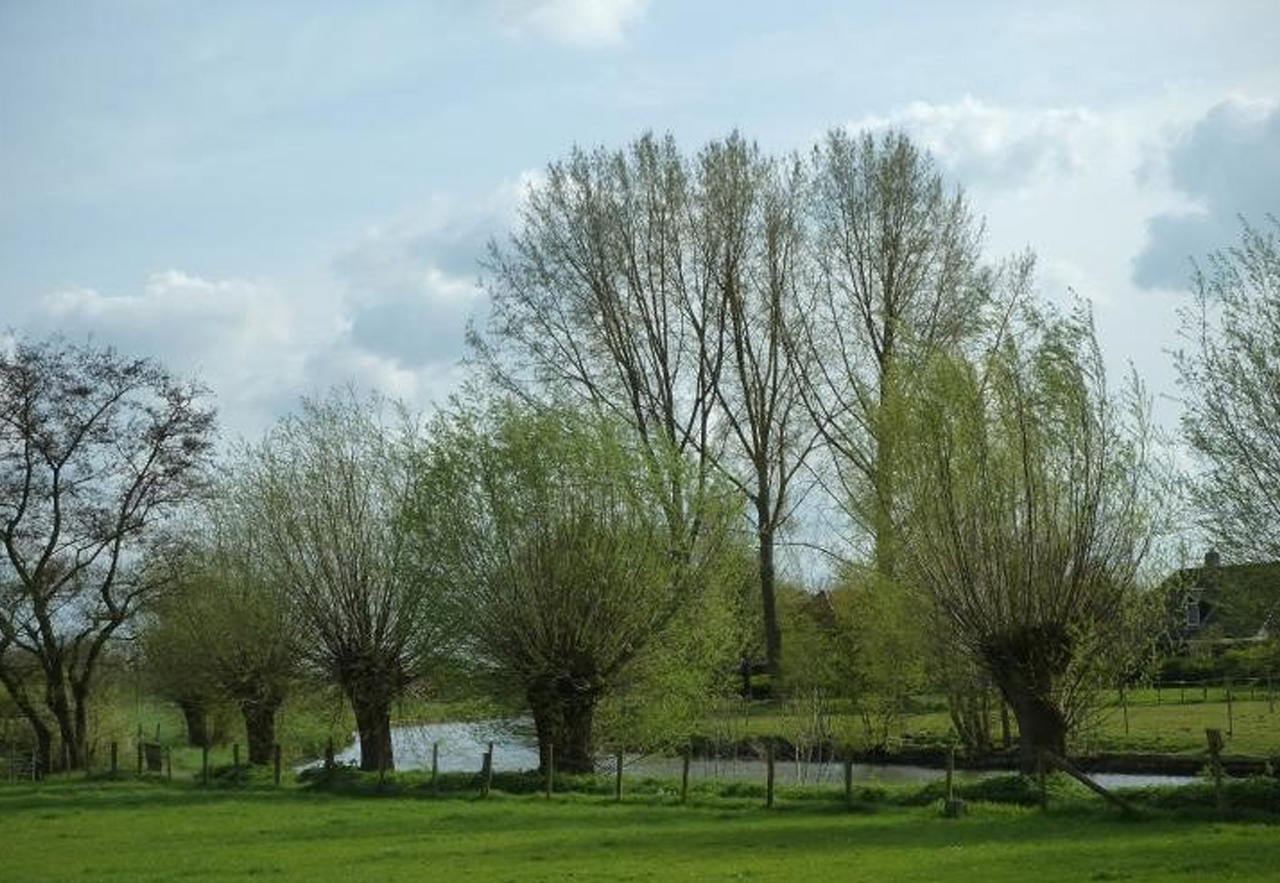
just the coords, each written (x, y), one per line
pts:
(1027, 505)
(325, 495)
(555, 529)
(225, 631)
(98, 453)
(1231, 374)
(659, 287)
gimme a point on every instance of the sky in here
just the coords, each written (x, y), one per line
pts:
(281, 197)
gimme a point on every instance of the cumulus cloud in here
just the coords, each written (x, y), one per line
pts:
(1228, 164)
(999, 147)
(585, 23)
(390, 314)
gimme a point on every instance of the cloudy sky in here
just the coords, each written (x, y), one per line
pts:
(283, 196)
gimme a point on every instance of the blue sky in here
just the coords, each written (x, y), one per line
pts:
(284, 196)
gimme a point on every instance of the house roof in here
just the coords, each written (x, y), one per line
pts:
(1243, 599)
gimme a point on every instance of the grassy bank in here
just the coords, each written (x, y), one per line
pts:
(147, 832)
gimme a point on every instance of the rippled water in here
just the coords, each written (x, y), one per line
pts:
(462, 746)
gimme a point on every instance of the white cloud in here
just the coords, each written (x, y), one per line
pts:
(986, 144)
(389, 314)
(585, 23)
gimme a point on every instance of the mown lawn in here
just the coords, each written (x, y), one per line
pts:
(148, 832)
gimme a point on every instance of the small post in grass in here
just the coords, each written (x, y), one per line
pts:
(1124, 705)
(168, 763)
(486, 772)
(328, 754)
(275, 763)
(684, 774)
(848, 783)
(435, 764)
(768, 774)
(1231, 718)
(617, 777)
(952, 808)
(1043, 781)
(139, 758)
(1214, 738)
(551, 769)
(115, 758)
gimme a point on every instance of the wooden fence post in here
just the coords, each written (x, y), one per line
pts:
(435, 764)
(115, 758)
(848, 783)
(768, 775)
(275, 762)
(684, 775)
(1124, 705)
(551, 769)
(1042, 781)
(617, 778)
(486, 771)
(1231, 718)
(1214, 738)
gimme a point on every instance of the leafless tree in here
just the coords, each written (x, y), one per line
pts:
(97, 453)
(658, 288)
(897, 257)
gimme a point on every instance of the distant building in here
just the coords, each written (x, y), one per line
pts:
(1220, 603)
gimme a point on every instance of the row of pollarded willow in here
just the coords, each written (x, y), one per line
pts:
(744, 309)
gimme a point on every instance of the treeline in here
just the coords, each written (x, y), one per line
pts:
(684, 356)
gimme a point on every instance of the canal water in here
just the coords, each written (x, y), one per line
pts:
(462, 746)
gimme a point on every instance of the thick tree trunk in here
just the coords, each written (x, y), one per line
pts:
(373, 720)
(563, 718)
(1040, 728)
(768, 595)
(66, 717)
(197, 718)
(260, 730)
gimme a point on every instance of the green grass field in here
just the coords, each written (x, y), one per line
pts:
(125, 831)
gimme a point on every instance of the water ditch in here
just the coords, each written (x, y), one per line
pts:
(462, 744)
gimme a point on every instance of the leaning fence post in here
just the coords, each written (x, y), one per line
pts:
(768, 775)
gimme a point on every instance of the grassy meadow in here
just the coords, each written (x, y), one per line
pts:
(131, 831)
